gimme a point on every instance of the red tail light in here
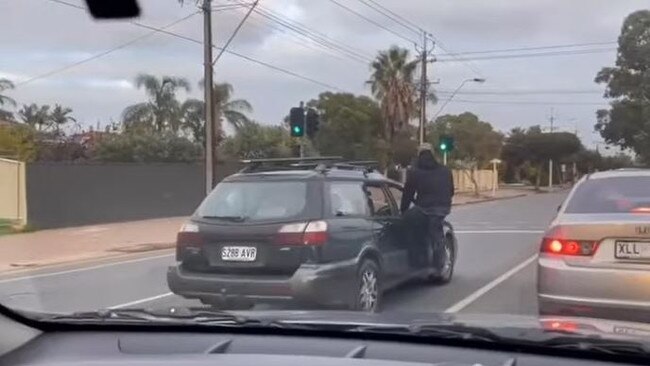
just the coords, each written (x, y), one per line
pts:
(568, 247)
(641, 210)
(189, 240)
(303, 233)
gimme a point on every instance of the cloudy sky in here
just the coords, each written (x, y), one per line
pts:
(41, 36)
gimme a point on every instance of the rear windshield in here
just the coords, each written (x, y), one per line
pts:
(255, 201)
(611, 195)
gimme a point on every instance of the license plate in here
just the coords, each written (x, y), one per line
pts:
(238, 254)
(632, 250)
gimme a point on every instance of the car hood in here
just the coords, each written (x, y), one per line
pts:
(536, 328)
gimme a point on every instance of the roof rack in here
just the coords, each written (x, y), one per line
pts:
(321, 164)
(256, 165)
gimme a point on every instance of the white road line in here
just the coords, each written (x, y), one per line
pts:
(136, 302)
(498, 231)
(494, 283)
(83, 268)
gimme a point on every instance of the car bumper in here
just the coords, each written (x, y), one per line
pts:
(596, 292)
(329, 285)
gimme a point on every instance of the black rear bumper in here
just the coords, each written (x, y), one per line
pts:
(328, 285)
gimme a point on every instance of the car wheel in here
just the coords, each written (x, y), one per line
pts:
(444, 274)
(368, 289)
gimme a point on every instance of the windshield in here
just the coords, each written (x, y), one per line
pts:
(253, 201)
(461, 163)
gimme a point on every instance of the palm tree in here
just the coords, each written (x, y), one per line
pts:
(392, 84)
(193, 115)
(163, 110)
(60, 116)
(6, 84)
(232, 111)
(35, 116)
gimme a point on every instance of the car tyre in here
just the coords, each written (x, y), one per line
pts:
(367, 296)
(444, 275)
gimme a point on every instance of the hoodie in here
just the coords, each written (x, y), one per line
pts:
(428, 184)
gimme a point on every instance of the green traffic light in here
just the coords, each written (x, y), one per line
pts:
(443, 147)
(296, 130)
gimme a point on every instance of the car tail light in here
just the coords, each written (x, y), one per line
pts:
(568, 247)
(303, 233)
(188, 239)
(641, 210)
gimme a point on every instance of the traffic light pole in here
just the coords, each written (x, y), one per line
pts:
(444, 158)
(302, 138)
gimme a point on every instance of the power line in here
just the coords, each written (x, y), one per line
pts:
(234, 33)
(390, 15)
(103, 53)
(417, 27)
(520, 92)
(527, 102)
(535, 54)
(190, 39)
(313, 36)
(533, 48)
(373, 22)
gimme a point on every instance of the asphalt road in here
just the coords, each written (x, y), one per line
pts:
(495, 271)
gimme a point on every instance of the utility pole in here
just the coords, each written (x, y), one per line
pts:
(424, 87)
(550, 161)
(208, 99)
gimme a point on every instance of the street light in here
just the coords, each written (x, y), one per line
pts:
(474, 80)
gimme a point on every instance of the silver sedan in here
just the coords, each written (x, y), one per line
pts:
(595, 256)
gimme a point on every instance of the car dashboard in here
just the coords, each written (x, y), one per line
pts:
(104, 348)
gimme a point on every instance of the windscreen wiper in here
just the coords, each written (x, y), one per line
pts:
(226, 218)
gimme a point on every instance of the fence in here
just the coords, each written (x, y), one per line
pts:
(13, 206)
(72, 194)
(463, 182)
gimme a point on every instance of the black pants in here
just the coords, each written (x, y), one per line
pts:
(425, 236)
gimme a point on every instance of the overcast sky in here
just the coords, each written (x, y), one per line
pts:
(38, 36)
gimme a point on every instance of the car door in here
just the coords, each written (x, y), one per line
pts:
(386, 222)
(399, 228)
(348, 218)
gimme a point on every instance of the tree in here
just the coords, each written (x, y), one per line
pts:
(18, 142)
(60, 116)
(225, 108)
(514, 154)
(254, 141)
(163, 110)
(556, 146)
(36, 116)
(350, 126)
(6, 84)
(193, 116)
(392, 84)
(139, 146)
(476, 142)
(627, 122)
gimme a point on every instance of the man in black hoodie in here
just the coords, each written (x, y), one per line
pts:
(430, 186)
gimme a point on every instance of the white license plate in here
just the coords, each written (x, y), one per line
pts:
(632, 250)
(239, 254)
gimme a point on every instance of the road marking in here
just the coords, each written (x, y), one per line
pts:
(136, 302)
(84, 268)
(498, 231)
(485, 289)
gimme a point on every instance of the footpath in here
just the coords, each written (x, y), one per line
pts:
(24, 251)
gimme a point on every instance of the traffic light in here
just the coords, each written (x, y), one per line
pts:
(297, 122)
(312, 123)
(446, 143)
